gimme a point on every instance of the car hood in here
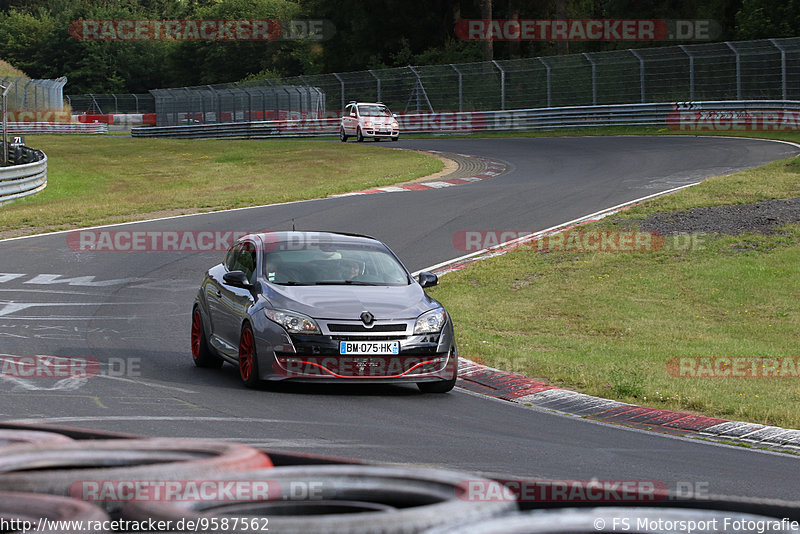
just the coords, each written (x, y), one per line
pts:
(348, 302)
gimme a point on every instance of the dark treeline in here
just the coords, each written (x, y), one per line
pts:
(34, 36)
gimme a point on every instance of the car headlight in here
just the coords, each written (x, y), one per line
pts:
(294, 323)
(430, 322)
(395, 125)
(368, 124)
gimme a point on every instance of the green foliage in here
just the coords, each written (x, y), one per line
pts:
(34, 36)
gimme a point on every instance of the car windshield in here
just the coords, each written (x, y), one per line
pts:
(374, 111)
(334, 264)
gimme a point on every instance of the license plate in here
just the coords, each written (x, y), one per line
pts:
(369, 347)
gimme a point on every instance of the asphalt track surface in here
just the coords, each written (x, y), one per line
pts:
(132, 314)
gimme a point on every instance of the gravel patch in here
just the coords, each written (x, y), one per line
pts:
(763, 217)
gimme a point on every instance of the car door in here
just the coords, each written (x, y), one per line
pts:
(231, 303)
(349, 120)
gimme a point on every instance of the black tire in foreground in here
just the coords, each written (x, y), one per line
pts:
(101, 471)
(340, 499)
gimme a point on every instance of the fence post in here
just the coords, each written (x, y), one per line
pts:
(784, 91)
(594, 77)
(342, 84)
(738, 71)
(460, 87)
(691, 71)
(502, 85)
(641, 72)
(379, 85)
(547, 80)
(5, 89)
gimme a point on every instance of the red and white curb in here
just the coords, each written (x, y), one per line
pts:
(493, 168)
(516, 388)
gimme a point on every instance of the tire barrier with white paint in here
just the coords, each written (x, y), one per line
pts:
(61, 469)
(345, 499)
(32, 508)
(307, 493)
(28, 174)
(37, 437)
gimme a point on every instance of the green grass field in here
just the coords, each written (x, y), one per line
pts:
(608, 324)
(95, 180)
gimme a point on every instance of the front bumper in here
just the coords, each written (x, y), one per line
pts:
(316, 358)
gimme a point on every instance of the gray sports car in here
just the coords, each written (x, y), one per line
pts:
(321, 307)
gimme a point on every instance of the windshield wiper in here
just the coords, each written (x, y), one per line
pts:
(292, 283)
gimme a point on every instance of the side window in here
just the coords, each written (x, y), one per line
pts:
(246, 259)
(230, 259)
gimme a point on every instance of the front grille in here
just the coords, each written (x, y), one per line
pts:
(334, 327)
(368, 338)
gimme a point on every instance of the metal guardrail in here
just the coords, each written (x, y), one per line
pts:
(658, 114)
(57, 128)
(23, 179)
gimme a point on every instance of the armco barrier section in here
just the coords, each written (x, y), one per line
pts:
(56, 128)
(710, 115)
(24, 179)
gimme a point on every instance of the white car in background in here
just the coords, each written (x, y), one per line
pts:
(368, 119)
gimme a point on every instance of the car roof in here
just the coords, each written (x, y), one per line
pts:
(331, 237)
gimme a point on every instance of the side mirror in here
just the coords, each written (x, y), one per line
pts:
(237, 279)
(394, 115)
(427, 279)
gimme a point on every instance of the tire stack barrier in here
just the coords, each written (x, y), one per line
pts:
(346, 499)
(44, 472)
(38, 437)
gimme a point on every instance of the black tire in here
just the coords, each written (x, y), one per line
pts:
(350, 499)
(32, 506)
(248, 359)
(442, 386)
(201, 352)
(65, 468)
(395, 138)
(359, 136)
(342, 136)
(376, 139)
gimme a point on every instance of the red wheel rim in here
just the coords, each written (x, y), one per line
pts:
(197, 329)
(246, 354)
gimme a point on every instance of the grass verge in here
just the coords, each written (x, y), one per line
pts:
(608, 324)
(99, 180)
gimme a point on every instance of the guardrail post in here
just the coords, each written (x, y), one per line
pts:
(594, 77)
(641, 72)
(784, 91)
(691, 71)
(502, 85)
(460, 87)
(547, 81)
(738, 71)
